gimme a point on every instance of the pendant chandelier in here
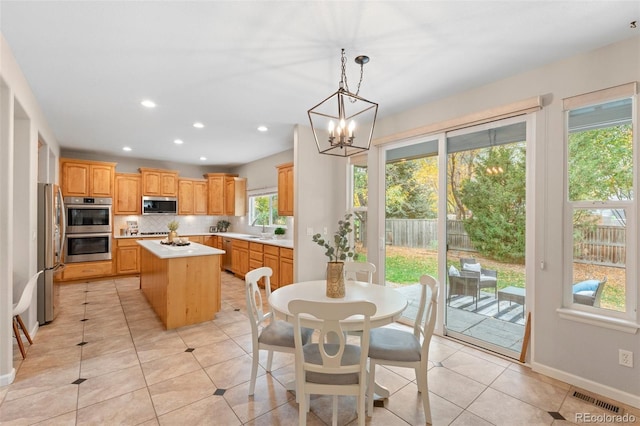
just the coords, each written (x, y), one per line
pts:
(495, 169)
(343, 123)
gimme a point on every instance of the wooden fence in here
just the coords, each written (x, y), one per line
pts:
(604, 245)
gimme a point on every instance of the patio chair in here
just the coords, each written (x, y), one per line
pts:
(588, 292)
(488, 277)
(463, 283)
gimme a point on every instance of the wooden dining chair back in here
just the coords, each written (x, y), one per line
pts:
(19, 308)
(404, 349)
(359, 271)
(267, 333)
(331, 366)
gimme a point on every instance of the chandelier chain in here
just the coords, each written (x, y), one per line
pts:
(344, 77)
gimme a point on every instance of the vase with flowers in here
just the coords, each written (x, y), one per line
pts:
(173, 228)
(338, 250)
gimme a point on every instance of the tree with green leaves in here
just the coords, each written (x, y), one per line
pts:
(407, 196)
(495, 200)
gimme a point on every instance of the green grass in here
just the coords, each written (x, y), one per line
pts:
(408, 266)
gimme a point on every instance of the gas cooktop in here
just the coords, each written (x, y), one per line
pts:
(154, 233)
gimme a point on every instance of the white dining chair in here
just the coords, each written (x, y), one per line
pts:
(403, 349)
(19, 308)
(267, 333)
(331, 366)
(354, 270)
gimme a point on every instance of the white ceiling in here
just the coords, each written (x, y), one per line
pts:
(235, 65)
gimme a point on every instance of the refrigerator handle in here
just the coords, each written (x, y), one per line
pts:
(63, 225)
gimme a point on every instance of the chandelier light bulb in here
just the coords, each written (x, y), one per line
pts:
(332, 128)
(352, 127)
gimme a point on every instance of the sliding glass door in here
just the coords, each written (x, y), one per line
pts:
(486, 227)
(462, 218)
(411, 218)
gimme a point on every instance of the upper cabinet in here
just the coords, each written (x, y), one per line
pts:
(227, 194)
(127, 198)
(285, 189)
(83, 178)
(159, 182)
(192, 196)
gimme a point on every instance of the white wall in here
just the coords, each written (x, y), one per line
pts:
(20, 129)
(581, 354)
(320, 201)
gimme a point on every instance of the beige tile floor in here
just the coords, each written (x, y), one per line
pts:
(107, 359)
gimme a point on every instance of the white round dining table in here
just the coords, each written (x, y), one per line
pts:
(389, 306)
(389, 302)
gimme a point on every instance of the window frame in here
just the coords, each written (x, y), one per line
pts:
(272, 193)
(626, 321)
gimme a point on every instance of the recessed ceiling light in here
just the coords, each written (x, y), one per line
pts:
(126, 148)
(262, 128)
(198, 125)
(178, 142)
(148, 103)
(203, 158)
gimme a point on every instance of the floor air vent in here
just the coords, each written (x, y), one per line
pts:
(597, 402)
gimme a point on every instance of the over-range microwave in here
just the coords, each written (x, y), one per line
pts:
(160, 205)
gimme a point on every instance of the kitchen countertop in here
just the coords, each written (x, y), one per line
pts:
(170, 252)
(237, 236)
(257, 239)
(188, 234)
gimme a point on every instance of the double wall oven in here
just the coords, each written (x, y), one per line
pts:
(89, 226)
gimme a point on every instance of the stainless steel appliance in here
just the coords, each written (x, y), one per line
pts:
(88, 214)
(51, 237)
(226, 260)
(87, 247)
(160, 205)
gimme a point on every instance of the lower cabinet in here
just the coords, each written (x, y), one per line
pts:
(240, 258)
(127, 256)
(272, 260)
(286, 266)
(81, 270)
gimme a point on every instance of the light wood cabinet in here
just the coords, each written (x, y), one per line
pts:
(216, 193)
(227, 194)
(192, 196)
(82, 178)
(83, 270)
(235, 197)
(200, 193)
(255, 258)
(272, 260)
(159, 182)
(196, 239)
(240, 257)
(285, 189)
(286, 266)
(127, 256)
(127, 194)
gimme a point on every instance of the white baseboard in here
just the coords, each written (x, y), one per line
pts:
(7, 379)
(599, 388)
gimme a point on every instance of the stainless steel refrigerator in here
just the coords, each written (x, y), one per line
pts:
(51, 237)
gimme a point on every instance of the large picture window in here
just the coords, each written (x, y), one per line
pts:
(601, 205)
(263, 211)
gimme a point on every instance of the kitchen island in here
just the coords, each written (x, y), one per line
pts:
(182, 283)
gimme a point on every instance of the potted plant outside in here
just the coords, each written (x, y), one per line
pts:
(338, 250)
